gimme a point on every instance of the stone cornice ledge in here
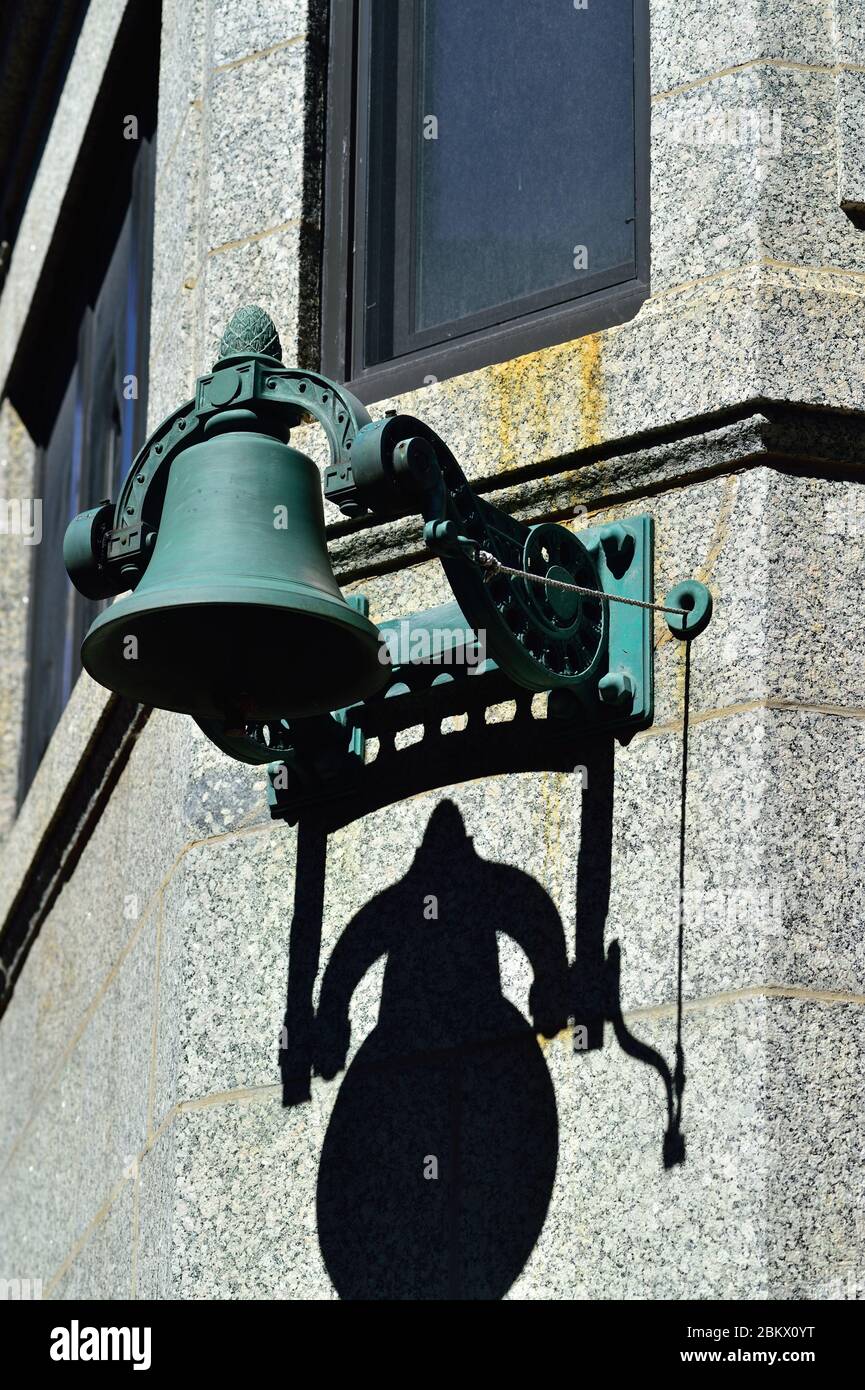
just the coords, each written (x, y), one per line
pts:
(762, 433)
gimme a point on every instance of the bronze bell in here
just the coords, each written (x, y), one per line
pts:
(238, 617)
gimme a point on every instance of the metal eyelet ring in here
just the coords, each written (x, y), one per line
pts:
(696, 600)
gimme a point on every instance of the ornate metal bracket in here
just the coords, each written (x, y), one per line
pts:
(592, 653)
(445, 676)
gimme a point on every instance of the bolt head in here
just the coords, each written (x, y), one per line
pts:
(617, 688)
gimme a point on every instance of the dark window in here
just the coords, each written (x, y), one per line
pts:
(99, 428)
(487, 182)
(79, 378)
(37, 41)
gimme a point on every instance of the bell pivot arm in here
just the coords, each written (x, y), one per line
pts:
(543, 638)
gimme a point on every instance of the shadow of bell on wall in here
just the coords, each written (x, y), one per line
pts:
(440, 1157)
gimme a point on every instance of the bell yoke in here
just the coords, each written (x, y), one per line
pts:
(234, 615)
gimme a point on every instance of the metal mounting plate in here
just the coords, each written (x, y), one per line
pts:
(628, 574)
(440, 677)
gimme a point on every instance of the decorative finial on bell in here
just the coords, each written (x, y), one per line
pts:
(249, 330)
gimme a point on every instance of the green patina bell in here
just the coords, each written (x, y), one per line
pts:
(238, 616)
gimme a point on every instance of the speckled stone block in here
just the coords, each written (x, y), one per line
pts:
(73, 959)
(694, 41)
(403, 591)
(850, 117)
(172, 368)
(784, 558)
(182, 68)
(248, 1168)
(799, 312)
(849, 31)
(223, 962)
(774, 891)
(200, 793)
(811, 570)
(816, 1202)
(255, 146)
(82, 1141)
(772, 1166)
(772, 1160)
(235, 277)
(202, 790)
(745, 170)
(177, 255)
(103, 1268)
(247, 28)
(226, 232)
(178, 249)
(86, 707)
(17, 1081)
(156, 1218)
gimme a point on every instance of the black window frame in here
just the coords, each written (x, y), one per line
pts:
(541, 320)
(37, 44)
(91, 307)
(109, 429)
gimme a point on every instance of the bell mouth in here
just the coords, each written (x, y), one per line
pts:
(237, 663)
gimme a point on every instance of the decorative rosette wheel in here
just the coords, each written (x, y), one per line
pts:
(566, 630)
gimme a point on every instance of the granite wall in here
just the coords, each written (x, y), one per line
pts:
(145, 1147)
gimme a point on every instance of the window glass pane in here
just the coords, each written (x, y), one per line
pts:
(114, 360)
(88, 452)
(50, 648)
(524, 151)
